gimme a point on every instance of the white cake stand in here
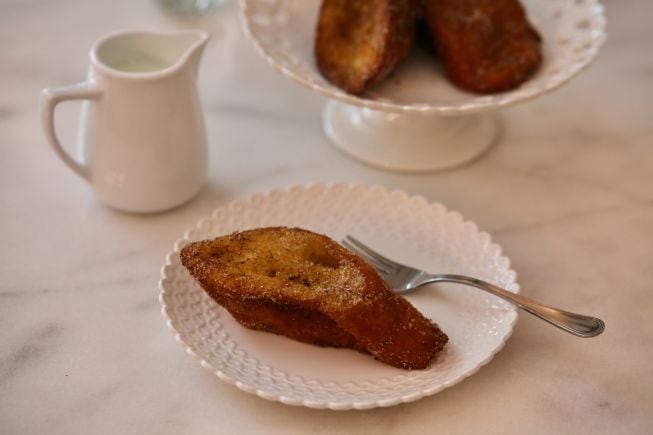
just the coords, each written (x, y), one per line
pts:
(416, 120)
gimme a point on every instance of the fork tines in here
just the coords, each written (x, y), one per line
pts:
(379, 262)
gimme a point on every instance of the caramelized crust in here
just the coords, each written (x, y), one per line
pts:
(358, 43)
(485, 45)
(307, 287)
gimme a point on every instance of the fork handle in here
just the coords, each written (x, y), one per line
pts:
(577, 324)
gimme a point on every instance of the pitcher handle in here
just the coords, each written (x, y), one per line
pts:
(49, 99)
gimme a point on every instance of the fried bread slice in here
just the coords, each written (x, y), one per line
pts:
(485, 46)
(305, 286)
(358, 43)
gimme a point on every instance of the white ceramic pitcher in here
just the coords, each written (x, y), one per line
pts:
(142, 141)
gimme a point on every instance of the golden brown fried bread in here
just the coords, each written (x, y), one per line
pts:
(358, 43)
(307, 287)
(485, 45)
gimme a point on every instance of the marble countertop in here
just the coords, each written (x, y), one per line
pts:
(567, 192)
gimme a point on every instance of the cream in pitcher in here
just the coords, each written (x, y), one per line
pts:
(142, 136)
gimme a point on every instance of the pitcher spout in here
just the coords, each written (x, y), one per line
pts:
(133, 55)
(193, 55)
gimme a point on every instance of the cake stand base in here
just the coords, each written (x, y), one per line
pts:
(409, 141)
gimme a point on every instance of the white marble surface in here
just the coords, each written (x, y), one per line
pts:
(568, 193)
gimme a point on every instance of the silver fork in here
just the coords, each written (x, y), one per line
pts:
(405, 278)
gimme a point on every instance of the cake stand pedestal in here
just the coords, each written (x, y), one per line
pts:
(408, 141)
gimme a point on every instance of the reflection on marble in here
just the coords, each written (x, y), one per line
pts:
(567, 192)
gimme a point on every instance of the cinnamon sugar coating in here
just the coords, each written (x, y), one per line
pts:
(358, 43)
(305, 286)
(485, 46)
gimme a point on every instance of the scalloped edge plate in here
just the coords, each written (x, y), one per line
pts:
(407, 228)
(573, 32)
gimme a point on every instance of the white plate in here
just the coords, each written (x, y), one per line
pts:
(282, 31)
(406, 228)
